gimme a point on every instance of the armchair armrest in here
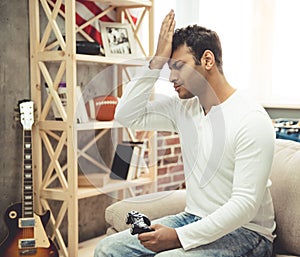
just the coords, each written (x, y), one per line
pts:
(154, 205)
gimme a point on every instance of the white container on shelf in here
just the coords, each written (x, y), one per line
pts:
(81, 113)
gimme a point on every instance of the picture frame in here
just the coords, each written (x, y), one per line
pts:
(118, 39)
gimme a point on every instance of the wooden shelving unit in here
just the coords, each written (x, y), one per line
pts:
(54, 179)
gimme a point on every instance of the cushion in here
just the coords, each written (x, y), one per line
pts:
(154, 205)
(285, 192)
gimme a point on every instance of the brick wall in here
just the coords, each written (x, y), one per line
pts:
(170, 173)
(169, 166)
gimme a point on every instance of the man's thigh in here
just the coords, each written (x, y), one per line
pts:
(240, 243)
(121, 244)
(124, 244)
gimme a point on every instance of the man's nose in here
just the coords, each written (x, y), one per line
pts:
(173, 76)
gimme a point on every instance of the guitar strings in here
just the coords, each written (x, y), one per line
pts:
(27, 199)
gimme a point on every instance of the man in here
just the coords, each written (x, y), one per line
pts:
(227, 147)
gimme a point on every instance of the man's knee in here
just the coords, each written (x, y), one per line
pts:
(104, 248)
(173, 253)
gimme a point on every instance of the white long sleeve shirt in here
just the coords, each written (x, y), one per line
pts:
(227, 156)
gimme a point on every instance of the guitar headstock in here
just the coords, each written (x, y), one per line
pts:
(26, 109)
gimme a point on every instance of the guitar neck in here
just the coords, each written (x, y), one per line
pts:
(27, 201)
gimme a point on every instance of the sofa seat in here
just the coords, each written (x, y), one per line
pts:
(285, 190)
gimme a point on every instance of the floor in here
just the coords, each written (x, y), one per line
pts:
(86, 249)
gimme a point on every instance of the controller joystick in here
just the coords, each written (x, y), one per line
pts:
(140, 223)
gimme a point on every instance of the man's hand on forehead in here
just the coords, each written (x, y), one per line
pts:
(164, 45)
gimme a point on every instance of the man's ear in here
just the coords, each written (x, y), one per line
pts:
(208, 59)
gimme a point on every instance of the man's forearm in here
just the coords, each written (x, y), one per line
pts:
(136, 97)
(157, 63)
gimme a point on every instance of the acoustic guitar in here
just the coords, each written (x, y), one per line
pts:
(27, 235)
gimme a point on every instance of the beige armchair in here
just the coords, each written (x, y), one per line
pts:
(285, 191)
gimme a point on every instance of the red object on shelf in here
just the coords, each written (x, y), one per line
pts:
(86, 10)
(102, 108)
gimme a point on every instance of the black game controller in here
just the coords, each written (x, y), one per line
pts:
(139, 222)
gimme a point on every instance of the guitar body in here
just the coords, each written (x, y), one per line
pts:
(10, 246)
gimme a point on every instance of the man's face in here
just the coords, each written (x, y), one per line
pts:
(185, 74)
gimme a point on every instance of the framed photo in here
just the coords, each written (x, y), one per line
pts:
(118, 39)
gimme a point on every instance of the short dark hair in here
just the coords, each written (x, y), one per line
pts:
(199, 39)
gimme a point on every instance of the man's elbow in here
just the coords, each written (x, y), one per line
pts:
(121, 117)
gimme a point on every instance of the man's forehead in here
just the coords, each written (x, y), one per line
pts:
(181, 54)
(181, 50)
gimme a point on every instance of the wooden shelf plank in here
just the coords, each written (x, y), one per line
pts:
(51, 56)
(91, 125)
(125, 3)
(54, 125)
(98, 125)
(111, 60)
(113, 185)
(54, 193)
(85, 192)
(56, 56)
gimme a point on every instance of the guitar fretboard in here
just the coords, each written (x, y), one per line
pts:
(27, 179)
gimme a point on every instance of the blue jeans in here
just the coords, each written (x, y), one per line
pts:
(240, 243)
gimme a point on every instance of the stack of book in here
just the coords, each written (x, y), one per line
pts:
(128, 160)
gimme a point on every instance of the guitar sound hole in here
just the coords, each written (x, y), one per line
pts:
(12, 215)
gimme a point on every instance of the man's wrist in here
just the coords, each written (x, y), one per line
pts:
(157, 63)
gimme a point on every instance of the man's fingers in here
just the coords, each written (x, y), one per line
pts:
(143, 237)
(168, 21)
(164, 44)
(170, 15)
(172, 27)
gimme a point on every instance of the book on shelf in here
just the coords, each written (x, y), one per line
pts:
(137, 160)
(127, 162)
(81, 113)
